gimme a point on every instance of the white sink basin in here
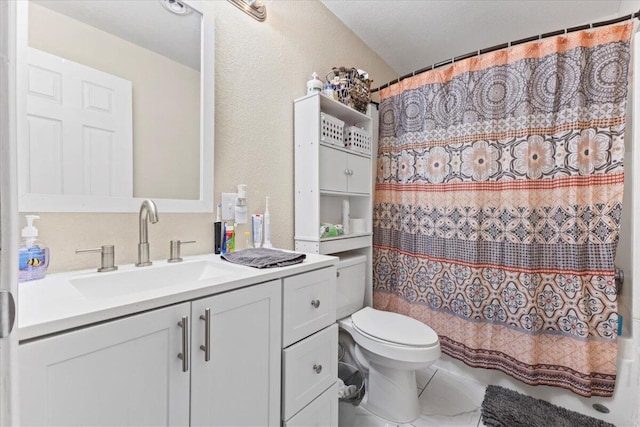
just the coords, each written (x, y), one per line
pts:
(143, 279)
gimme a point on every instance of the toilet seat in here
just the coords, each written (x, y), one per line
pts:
(387, 351)
(394, 328)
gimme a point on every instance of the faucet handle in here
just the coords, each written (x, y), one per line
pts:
(106, 260)
(174, 250)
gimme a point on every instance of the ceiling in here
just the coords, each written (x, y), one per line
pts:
(412, 34)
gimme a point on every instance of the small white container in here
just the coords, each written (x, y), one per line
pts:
(331, 130)
(357, 139)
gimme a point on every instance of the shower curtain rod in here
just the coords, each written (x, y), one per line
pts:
(509, 44)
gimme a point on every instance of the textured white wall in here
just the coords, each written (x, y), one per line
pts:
(260, 69)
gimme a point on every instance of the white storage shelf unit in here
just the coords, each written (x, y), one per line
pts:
(326, 174)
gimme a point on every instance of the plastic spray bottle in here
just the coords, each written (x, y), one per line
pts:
(33, 258)
(267, 226)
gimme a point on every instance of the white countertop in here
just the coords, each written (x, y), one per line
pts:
(54, 304)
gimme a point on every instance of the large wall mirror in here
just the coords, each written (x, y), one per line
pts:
(115, 105)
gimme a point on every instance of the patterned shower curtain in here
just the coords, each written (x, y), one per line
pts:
(498, 205)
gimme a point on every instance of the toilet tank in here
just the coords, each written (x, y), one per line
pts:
(351, 282)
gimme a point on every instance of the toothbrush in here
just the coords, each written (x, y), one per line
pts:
(267, 226)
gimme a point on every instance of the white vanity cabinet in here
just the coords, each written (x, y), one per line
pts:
(127, 372)
(310, 347)
(122, 373)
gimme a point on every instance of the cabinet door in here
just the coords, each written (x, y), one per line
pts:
(333, 169)
(240, 384)
(322, 412)
(360, 174)
(125, 373)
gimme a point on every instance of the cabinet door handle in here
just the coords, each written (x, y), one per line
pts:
(346, 171)
(184, 356)
(317, 368)
(315, 303)
(350, 171)
(207, 334)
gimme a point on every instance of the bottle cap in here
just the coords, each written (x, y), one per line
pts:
(30, 230)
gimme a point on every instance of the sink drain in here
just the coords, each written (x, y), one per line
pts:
(600, 408)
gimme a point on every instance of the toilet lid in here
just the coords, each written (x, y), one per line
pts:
(394, 327)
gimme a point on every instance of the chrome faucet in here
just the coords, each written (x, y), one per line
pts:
(148, 212)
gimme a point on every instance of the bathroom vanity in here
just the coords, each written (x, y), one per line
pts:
(203, 342)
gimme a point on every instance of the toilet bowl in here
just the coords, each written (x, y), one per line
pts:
(389, 346)
(393, 347)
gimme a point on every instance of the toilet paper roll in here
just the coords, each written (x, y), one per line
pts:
(358, 225)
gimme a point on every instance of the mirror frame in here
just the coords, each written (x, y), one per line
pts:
(28, 202)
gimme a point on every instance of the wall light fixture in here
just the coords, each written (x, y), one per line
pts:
(253, 8)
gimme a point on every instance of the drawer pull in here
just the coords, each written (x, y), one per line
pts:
(207, 334)
(315, 303)
(184, 356)
(317, 368)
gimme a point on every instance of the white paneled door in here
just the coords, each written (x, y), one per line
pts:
(79, 129)
(8, 216)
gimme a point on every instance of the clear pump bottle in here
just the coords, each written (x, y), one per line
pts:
(33, 254)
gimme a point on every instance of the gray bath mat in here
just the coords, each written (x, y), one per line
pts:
(507, 408)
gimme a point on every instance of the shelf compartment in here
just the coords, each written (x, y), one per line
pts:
(339, 110)
(331, 245)
(346, 150)
(329, 193)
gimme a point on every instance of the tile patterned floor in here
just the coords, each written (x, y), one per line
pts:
(448, 398)
(456, 403)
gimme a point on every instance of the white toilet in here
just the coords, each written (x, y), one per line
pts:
(390, 345)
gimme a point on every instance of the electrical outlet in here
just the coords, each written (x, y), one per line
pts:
(228, 206)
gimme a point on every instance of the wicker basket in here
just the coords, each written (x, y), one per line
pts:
(357, 139)
(352, 87)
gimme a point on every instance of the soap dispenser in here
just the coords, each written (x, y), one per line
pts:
(33, 254)
(314, 85)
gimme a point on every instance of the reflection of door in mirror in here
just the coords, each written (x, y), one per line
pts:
(165, 87)
(91, 111)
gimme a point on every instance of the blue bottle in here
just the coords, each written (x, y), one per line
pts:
(33, 254)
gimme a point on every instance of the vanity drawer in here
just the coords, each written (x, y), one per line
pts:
(309, 304)
(322, 412)
(309, 368)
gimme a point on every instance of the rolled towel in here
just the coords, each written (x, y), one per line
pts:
(342, 389)
(351, 390)
(345, 391)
